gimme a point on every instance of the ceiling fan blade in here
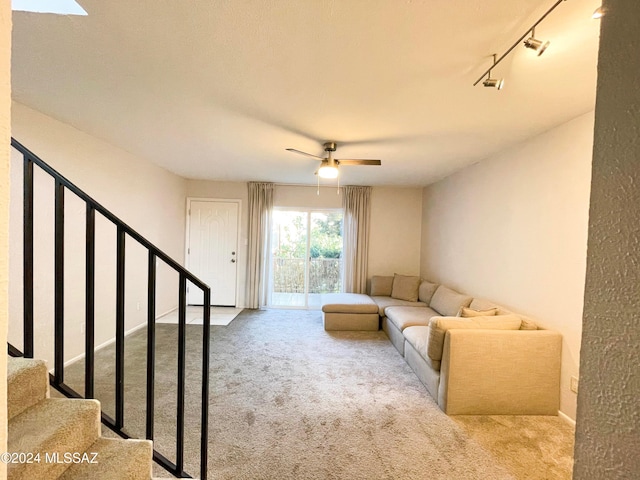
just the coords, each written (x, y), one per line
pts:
(304, 153)
(358, 162)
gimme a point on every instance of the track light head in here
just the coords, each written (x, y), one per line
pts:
(536, 45)
(494, 83)
(599, 13)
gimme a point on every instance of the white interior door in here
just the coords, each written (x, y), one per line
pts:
(213, 250)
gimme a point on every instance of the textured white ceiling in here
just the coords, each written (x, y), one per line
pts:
(219, 89)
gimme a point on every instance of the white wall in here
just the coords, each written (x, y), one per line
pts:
(306, 197)
(513, 229)
(5, 134)
(394, 242)
(148, 198)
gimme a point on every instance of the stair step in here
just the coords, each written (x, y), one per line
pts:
(27, 384)
(52, 426)
(116, 459)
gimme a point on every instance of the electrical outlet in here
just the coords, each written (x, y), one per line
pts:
(138, 306)
(82, 328)
(574, 384)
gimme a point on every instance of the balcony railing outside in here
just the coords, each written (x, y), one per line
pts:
(325, 275)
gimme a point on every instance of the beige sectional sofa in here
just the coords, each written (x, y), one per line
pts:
(490, 361)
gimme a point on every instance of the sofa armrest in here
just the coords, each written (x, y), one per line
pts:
(500, 372)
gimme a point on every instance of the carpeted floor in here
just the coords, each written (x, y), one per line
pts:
(291, 401)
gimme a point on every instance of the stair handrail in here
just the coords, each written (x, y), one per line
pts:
(154, 253)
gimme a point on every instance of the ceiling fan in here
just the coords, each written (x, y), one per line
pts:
(329, 166)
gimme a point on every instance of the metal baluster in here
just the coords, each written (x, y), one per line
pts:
(59, 284)
(90, 253)
(27, 257)
(181, 372)
(151, 343)
(120, 327)
(204, 422)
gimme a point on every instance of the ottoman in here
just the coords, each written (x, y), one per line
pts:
(349, 311)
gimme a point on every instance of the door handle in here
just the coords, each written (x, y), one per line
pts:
(233, 260)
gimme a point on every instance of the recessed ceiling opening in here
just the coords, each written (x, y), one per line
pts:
(59, 7)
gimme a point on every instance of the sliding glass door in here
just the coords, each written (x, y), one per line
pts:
(306, 257)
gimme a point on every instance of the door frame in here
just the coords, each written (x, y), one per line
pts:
(187, 254)
(308, 211)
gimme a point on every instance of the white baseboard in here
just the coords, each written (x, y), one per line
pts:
(109, 342)
(166, 313)
(567, 418)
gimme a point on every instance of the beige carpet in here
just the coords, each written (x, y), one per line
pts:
(530, 447)
(291, 401)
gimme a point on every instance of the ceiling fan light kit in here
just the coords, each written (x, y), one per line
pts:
(327, 171)
(532, 43)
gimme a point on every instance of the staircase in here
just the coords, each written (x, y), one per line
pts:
(61, 436)
(52, 438)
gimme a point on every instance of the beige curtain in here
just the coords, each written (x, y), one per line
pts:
(260, 208)
(357, 219)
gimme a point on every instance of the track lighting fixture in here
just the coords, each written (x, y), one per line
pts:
(493, 82)
(532, 43)
(599, 13)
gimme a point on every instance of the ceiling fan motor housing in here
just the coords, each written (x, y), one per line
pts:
(330, 147)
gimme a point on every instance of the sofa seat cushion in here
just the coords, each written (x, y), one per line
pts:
(383, 302)
(349, 303)
(403, 317)
(448, 302)
(418, 337)
(438, 327)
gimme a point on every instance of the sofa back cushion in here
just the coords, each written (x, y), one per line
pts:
(381, 286)
(405, 287)
(467, 312)
(426, 291)
(482, 304)
(438, 327)
(447, 302)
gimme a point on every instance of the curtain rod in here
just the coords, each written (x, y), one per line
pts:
(304, 185)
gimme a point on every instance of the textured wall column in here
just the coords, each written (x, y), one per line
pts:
(608, 420)
(5, 137)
